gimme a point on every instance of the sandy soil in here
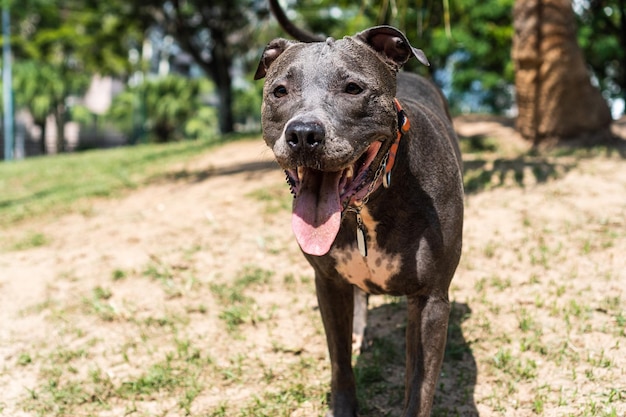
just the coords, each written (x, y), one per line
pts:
(543, 263)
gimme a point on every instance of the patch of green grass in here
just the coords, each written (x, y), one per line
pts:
(475, 180)
(63, 355)
(373, 373)
(168, 320)
(61, 183)
(253, 275)
(539, 403)
(99, 305)
(275, 199)
(24, 359)
(118, 274)
(478, 144)
(500, 283)
(294, 390)
(219, 411)
(490, 250)
(160, 376)
(238, 314)
(238, 308)
(31, 240)
(280, 403)
(234, 371)
(174, 282)
(163, 274)
(502, 358)
(63, 391)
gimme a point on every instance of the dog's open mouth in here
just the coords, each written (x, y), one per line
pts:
(321, 196)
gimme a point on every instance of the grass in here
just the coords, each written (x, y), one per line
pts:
(238, 308)
(275, 199)
(31, 240)
(65, 393)
(58, 184)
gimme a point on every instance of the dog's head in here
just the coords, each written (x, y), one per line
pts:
(329, 117)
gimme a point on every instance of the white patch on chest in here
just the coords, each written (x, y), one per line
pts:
(377, 267)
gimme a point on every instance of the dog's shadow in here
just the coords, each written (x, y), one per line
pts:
(379, 369)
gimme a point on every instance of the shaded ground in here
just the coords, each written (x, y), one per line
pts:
(190, 297)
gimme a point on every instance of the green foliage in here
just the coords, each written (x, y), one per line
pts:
(40, 87)
(473, 48)
(238, 307)
(469, 41)
(202, 124)
(602, 36)
(59, 45)
(247, 103)
(76, 35)
(166, 109)
(482, 38)
(217, 34)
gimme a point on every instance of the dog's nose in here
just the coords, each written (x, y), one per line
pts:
(308, 135)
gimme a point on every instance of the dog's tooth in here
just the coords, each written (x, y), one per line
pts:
(300, 173)
(350, 172)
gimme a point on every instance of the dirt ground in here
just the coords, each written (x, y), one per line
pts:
(539, 303)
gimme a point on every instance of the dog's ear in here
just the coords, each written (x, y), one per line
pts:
(271, 52)
(392, 45)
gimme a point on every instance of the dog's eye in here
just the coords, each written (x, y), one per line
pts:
(280, 91)
(353, 88)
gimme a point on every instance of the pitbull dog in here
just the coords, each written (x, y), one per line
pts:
(373, 162)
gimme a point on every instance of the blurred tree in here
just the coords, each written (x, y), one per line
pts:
(474, 47)
(469, 44)
(555, 97)
(213, 33)
(41, 89)
(59, 45)
(170, 104)
(470, 39)
(602, 36)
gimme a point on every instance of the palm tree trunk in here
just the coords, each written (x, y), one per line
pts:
(555, 97)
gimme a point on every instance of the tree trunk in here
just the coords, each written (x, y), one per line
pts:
(59, 118)
(219, 69)
(225, 109)
(42, 145)
(555, 97)
(622, 38)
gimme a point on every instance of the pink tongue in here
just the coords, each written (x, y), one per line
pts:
(317, 211)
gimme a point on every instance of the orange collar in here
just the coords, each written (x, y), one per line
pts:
(387, 165)
(403, 127)
(383, 173)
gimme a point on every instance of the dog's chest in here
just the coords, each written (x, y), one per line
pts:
(371, 273)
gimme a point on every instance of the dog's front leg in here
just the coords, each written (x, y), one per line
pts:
(425, 343)
(336, 301)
